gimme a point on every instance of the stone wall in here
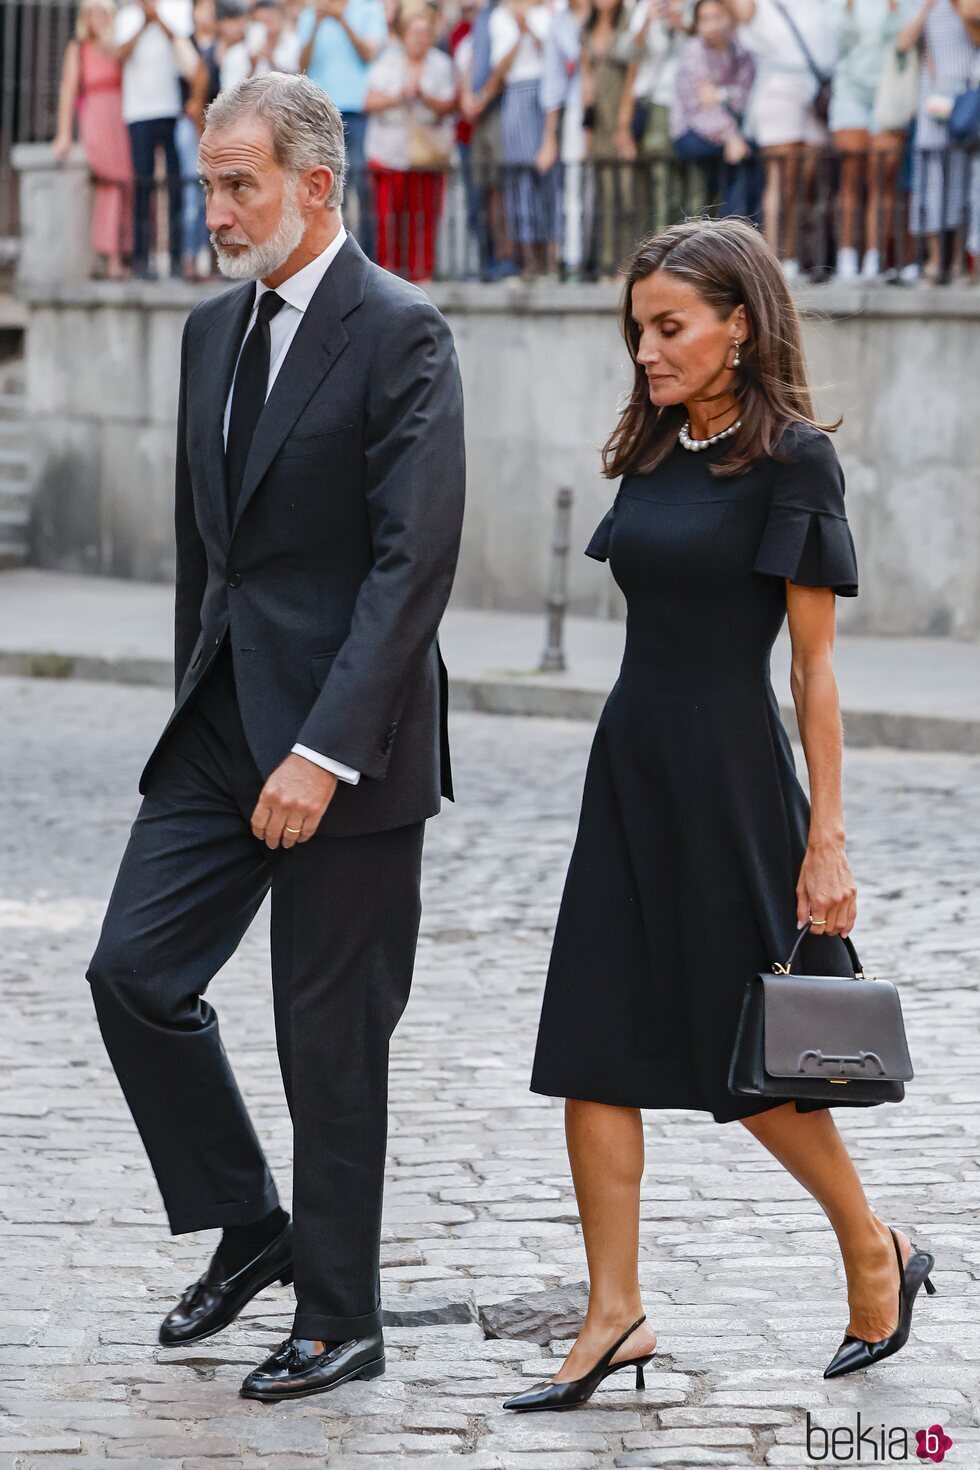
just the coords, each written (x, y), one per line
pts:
(543, 367)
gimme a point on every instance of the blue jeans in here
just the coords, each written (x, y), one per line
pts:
(145, 138)
(187, 139)
(355, 128)
(736, 183)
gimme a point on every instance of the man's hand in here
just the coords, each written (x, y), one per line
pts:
(736, 149)
(292, 802)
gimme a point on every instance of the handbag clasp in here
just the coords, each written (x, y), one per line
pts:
(862, 1059)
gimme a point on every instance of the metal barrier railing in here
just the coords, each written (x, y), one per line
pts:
(584, 220)
(33, 37)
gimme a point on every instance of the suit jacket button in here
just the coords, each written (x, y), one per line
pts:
(235, 579)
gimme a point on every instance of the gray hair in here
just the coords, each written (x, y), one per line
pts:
(307, 129)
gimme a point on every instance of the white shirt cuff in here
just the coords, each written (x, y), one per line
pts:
(343, 773)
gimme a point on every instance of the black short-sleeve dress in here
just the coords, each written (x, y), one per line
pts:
(693, 828)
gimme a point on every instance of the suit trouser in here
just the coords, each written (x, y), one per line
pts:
(345, 916)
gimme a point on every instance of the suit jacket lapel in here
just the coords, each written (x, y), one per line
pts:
(220, 354)
(319, 341)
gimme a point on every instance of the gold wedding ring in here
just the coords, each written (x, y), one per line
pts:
(812, 921)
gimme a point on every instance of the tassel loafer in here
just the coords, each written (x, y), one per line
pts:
(854, 1353)
(215, 1300)
(576, 1391)
(295, 1370)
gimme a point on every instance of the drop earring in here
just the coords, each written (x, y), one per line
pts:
(737, 359)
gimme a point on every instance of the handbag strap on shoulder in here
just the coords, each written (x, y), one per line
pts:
(822, 77)
(858, 967)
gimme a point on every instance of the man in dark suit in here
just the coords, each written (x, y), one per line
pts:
(319, 496)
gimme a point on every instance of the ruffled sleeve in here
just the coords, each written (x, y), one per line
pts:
(598, 547)
(806, 537)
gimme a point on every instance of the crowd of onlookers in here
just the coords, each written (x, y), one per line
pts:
(849, 130)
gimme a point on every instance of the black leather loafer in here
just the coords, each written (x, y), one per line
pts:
(213, 1301)
(294, 1370)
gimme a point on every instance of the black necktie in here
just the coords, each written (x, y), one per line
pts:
(248, 396)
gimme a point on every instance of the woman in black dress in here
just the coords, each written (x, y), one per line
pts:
(698, 856)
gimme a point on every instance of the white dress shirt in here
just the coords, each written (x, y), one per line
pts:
(297, 292)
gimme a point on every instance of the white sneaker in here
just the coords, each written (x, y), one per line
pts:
(871, 265)
(909, 274)
(847, 263)
(791, 269)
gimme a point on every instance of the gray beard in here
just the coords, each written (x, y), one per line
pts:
(255, 261)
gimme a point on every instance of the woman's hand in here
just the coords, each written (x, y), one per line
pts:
(61, 147)
(736, 149)
(626, 144)
(547, 155)
(826, 889)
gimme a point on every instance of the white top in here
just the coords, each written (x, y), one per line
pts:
(656, 72)
(237, 62)
(771, 41)
(386, 140)
(463, 58)
(504, 35)
(151, 76)
(297, 292)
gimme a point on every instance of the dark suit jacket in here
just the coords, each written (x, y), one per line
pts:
(333, 579)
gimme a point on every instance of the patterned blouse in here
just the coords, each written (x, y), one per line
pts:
(731, 68)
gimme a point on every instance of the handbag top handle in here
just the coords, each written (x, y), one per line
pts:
(858, 968)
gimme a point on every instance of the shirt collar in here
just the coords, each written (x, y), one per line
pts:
(298, 289)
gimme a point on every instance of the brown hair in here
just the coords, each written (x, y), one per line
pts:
(729, 264)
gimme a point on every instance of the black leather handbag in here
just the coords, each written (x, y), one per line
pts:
(824, 1038)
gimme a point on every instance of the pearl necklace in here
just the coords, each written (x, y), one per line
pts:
(697, 444)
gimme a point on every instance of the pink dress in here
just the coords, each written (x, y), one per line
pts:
(105, 139)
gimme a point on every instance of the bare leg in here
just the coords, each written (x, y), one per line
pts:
(779, 199)
(605, 1150)
(884, 163)
(772, 199)
(809, 1146)
(852, 145)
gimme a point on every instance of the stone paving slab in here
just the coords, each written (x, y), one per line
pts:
(739, 1269)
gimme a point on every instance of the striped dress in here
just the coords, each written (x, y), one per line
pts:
(940, 172)
(531, 200)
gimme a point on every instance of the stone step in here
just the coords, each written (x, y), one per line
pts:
(14, 524)
(12, 407)
(15, 495)
(12, 553)
(15, 464)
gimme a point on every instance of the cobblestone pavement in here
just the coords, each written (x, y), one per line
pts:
(741, 1276)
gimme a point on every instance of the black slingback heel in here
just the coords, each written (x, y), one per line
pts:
(854, 1353)
(576, 1391)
